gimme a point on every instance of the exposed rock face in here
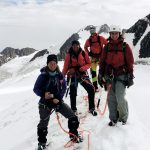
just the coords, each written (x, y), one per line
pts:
(9, 53)
(145, 46)
(39, 54)
(26, 51)
(139, 29)
(64, 48)
(104, 29)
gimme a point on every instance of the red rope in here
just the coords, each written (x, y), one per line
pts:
(70, 143)
(105, 106)
(89, 133)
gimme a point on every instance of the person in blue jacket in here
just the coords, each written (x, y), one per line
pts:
(50, 86)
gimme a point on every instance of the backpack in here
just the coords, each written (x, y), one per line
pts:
(98, 41)
(70, 52)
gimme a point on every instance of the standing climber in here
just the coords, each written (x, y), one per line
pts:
(75, 66)
(51, 86)
(116, 72)
(94, 46)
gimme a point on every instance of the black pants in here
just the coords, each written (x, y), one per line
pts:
(86, 83)
(45, 113)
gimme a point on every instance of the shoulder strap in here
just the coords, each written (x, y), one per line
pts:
(98, 40)
(70, 53)
(107, 47)
(124, 50)
(124, 47)
(83, 54)
(90, 40)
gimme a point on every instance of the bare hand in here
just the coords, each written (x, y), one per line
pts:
(48, 95)
(55, 101)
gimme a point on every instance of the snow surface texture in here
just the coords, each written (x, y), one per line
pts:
(19, 113)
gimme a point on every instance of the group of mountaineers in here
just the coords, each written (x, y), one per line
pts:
(115, 60)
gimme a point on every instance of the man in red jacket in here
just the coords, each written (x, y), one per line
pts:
(94, 46)
(75, 66)
(116, 69)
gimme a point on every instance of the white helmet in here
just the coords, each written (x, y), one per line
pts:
(114, 28)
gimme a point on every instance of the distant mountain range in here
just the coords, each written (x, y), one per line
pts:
(9, 53)
(141, 31)
(141, 41)
(76, 36)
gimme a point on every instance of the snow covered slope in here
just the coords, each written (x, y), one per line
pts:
(19, 113)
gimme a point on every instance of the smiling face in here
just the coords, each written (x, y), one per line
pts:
(75, 47)
(52, 65)
(114, 35)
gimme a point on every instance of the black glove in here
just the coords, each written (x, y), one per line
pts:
(77, 68)
(129, 80)
(101, 81)
(94, 55)
(90, 53)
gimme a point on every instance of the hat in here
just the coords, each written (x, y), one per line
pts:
(52, 57)
(75, 42)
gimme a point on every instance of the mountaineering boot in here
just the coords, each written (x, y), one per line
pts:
(75, 112)
(123, 122)
(76, 139)
(112, 123)
(73, 125)
(41, 146)
(93, 112)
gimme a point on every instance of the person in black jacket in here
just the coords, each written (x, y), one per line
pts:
(51, 87)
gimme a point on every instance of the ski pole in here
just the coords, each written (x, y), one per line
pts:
(68, 86)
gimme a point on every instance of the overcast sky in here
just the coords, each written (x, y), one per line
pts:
(41, 23)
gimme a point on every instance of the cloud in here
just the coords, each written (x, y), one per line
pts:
(40, 23)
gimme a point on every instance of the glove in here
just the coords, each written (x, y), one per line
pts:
(81, 70)
(129, 80)
(57, 104)
(90, 53)
(101, 81)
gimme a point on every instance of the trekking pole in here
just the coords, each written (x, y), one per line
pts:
(68, 86)
(98, 102)
(105, 87)
(52, 111)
